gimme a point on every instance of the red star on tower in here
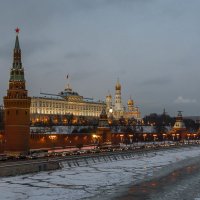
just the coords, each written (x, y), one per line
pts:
(17, 30)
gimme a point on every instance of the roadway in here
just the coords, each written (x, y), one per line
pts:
(10, 163)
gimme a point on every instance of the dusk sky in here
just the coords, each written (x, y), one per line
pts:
(153, 46)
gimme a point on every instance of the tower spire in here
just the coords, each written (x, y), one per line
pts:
(17, 108)
(17, 43)
(17, 39)
(17, 71)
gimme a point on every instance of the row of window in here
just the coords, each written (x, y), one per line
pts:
(84, 113)
(64, 106)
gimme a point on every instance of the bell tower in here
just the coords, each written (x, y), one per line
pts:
(118, 107)
(17, 107)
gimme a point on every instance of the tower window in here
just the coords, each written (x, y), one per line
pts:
(8, 112)
(17, 112)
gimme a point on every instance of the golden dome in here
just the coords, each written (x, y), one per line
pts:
(118, 85)
(130, 102)
(109, 96)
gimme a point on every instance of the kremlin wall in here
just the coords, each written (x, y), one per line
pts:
(21, 111)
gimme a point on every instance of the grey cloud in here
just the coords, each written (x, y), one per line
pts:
(181, 100)
(39, 45)
(151, 45)
(77, 55)
(157, 81)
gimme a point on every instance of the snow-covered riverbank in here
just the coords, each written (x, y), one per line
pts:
(100, 181)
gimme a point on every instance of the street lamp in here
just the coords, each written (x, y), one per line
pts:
(154, 137)
(144, 136)
(94, 138)
(164, 135)
(121, 137)
(188, 137)
(177, 136)
(53, 138)
(131, 138)
(173, 135)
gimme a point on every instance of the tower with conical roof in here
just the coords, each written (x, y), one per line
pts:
(178, 131)
(179, 124)
(109, 104)
(118, 107)
(103, 129)
(17, 107)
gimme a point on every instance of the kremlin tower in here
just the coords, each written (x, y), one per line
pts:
(109, 104)
(179, 129)
(103, 129)
(17, 107)
(179, 124)
(118, 107)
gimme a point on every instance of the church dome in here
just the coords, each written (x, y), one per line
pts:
(130, 102)
(109, 96)
(118, 85)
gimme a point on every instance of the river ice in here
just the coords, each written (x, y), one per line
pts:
(97, 181)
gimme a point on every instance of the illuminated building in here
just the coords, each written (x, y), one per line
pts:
(117, 109)
(65, 103)
(103, 129)
(17, 108)
(179, 124)
(179, 129)
(132, 110)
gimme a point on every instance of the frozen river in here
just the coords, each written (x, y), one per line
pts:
(109, 180)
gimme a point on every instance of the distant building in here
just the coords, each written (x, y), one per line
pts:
(67, 102)
(179, 124)
(117, 109)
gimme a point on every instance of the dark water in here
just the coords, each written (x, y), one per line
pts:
(181, 184)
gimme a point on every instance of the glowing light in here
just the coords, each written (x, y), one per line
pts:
(52, 137)
(94, 136)
(130, 135)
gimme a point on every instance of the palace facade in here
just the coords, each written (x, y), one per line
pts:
(67, 102)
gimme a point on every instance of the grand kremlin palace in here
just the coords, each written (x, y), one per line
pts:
(66, 102)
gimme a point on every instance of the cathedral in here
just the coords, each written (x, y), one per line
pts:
(117, 109)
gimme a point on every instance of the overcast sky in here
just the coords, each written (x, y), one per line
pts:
(151, 45)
